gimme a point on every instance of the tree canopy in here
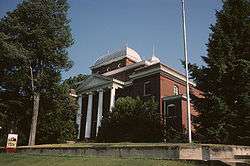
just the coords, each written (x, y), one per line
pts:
(224, 79)
(33, 47)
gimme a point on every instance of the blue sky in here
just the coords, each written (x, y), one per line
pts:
(102, 25)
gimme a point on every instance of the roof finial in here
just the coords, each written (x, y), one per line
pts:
(125, 43)
(154, 59)
(153, 50)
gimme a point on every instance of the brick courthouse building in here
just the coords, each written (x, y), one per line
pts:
(124, 73)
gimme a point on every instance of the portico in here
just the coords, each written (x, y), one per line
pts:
(94, 89)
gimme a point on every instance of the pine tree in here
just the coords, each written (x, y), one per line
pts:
(41, 35)
(225, 79)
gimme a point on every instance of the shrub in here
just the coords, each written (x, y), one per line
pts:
(132, 120)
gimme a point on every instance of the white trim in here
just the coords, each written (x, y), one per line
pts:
(100, 110)
(112, 98)
(176, 90)
(145, 73)
(124, 68)
(89, 116)
(73, 95)
(158, 69)
(118, 81)
(79, 116)
(128, 83)
(88, 85)
(171, 105)
(175, 74)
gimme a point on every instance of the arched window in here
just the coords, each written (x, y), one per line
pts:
(176, 90)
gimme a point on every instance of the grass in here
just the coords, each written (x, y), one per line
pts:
(38, 160)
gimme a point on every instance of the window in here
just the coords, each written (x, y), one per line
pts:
(119, 65)
(172, 119)
(176, 90)
(147, 88)
(171, 112)
(108, 69)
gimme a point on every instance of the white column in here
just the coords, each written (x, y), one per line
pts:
(89, 116)
(79, 116)
(112, 98)
(100, 108)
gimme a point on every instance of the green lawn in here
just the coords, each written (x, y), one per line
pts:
(36, 160)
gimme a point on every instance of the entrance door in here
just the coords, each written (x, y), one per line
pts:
(173, 112)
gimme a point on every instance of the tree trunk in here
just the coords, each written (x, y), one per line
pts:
(32, 137)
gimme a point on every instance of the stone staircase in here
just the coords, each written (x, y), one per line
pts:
(239, 160)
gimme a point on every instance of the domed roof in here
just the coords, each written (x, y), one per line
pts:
(118, 55)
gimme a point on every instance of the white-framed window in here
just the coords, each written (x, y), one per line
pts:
(176, 90)
(108, 69)
(147, 88)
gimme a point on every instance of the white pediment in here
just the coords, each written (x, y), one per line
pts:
(95, 82)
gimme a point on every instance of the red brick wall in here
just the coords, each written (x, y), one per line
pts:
(167, 87)
(184, 113)
(124, 92)
(137, 88)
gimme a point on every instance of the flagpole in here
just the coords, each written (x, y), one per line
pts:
(186, 66)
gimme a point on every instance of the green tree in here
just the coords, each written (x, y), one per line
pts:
(14, 101)
(131, 120)
(35, 36)
(225, 109)
(14, 116)
(56, 123)
(73, 82)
